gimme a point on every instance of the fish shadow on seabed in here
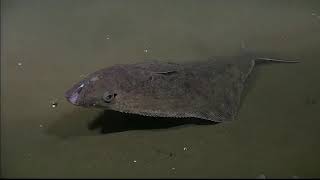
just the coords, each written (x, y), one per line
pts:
(112, 121)
(80, 123)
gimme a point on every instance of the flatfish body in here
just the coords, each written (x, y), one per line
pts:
(209, 90)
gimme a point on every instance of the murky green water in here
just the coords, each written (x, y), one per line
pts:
(46, 46)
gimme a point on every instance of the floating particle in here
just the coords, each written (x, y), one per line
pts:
(40, 125)
(146, 50)
(19, 64)
(185, 148)
(54, 103)
(134, 161)
(28, 156)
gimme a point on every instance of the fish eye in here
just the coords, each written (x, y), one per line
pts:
(108, 97)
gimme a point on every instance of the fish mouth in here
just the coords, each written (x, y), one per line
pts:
(73, 98)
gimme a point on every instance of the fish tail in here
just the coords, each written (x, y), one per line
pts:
(262, 57)
(276, 60)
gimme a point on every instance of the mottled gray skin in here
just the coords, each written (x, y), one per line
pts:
(208, 90)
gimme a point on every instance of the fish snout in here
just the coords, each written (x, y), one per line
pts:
(73, 95)
(72, 98)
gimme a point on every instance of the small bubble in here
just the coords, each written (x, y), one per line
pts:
(19, 64)
(134, 161)
(146, 50)
(173, 168)
(185, 148)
